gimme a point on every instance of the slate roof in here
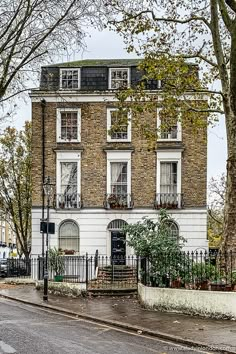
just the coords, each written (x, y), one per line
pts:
(98, 62)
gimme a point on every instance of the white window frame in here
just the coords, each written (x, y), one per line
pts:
(109, 138)
(68, 156)
(79, 78)
(60, 237)
(119, 156)
(169, 156)
(128, 76)
(64, 110)
(179, 128)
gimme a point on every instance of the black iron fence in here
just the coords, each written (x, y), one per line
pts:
(190, 270)
(96, 271)
(18, 267)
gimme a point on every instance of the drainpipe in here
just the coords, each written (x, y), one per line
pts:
(43, 106)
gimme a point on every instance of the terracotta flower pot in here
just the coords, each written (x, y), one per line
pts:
(176, 284)
(203, 285)
(217, 287)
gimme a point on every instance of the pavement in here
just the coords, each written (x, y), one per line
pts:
(126, 312)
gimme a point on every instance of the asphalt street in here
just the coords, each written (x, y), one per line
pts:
(25, 329)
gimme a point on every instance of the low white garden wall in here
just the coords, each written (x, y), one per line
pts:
(64, 289)
(217, 304)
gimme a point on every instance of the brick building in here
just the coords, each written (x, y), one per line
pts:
(7, 238)
(105, 179)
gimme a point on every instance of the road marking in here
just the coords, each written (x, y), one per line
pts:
(6, 348)
(101, 331)
(55, 322)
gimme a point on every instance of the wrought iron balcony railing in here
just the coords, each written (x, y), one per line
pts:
(118, 201)
(168, 201)
(68, 201)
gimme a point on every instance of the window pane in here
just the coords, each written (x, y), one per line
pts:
(119, 78)
(69, 125)
(168, 177)
(63, 133)
(173, 229)
(68, 177)
(75, 83)
(69, 236)
(70, 78)
(75, 75)
(119, 177)
(74, 133)
(119, 125)
(169, 127)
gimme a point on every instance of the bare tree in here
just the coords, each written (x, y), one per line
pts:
(203, 31)
(32, 31)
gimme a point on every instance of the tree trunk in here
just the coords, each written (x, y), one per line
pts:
(229, 232)
(229, 102)
(27, 256)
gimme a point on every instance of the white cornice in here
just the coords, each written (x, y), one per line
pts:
(104, 96)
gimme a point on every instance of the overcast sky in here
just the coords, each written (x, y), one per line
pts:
(108, 45)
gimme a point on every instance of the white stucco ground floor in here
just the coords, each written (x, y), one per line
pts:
(94, 232)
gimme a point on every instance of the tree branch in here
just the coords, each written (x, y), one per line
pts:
(215, 31)
(9, 25)
(231, 4)
(213, 217)
(27, 59)
(202, 110)
(166, 19)
(225, 15)
(14, 94)
(202, 57)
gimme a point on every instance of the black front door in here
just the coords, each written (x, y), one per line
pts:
(118, 247)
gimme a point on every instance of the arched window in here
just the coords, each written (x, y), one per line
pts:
(173, 227)
(69, 236)
(116, 224)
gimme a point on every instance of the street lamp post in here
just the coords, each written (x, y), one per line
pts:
(48, 187)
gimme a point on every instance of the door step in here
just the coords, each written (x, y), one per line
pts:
(113, 292)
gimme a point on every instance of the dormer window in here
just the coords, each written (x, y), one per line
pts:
(70, 79)
(119, 78)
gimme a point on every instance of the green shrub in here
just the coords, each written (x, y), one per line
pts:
(153, 240)
(56, 261)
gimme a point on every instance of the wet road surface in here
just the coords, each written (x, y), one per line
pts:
(25, 330)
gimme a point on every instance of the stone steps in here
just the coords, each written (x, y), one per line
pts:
(116, 273)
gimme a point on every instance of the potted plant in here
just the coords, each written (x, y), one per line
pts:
(69, 252)
(62, 205)
(218, 285)
(176, 282)
(56, 263)
(113, 201)
(202, 274)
